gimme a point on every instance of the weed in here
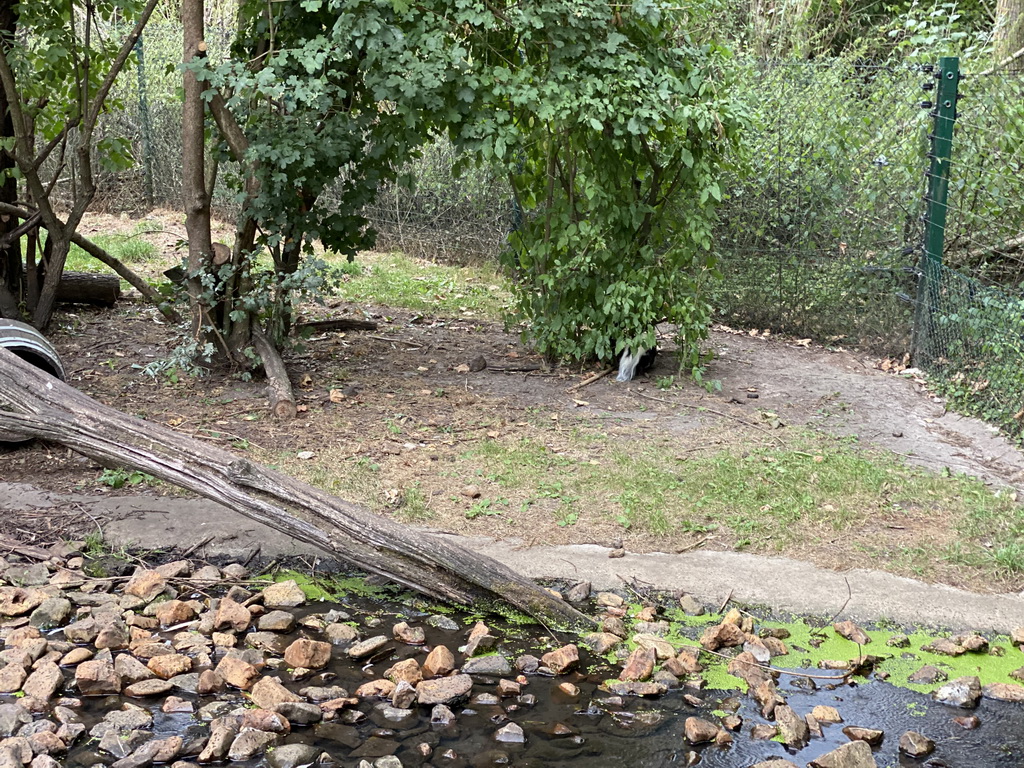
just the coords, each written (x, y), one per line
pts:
(485, 508)
(120, 477)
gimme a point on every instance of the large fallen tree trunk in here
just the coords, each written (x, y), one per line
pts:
(35, 404)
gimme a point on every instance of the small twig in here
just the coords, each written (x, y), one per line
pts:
(590, 380)
(85, 512)
(770, 668)
(196, 546)
(694, 545)
(625, 583)
(725, 602)
(413, 344)
(849, 597)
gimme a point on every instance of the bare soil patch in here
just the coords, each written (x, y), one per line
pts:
(394, 420)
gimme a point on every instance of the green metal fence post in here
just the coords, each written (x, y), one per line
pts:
(944, 114)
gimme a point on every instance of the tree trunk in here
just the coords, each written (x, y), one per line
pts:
(89, 288)
(46, 408)
(11, 284)
(279, 388)
(1008, 35)
(193, 162)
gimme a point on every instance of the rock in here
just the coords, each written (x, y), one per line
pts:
(340, 634)
(407, 670)
(724, 635)
(51, 613)
(746, 667)
(639, 666)
(131, 670)
(763, 732)
(792, 728)
(264, 720)
(614, 625)
(307, 654)
(1004, 692)
(757, 648)
(972, 643)
(767, 697)
(283, 594)
(17, 601)
(341, 734)
(145, 688)
(852, 632)
(916, 744)
(367, 647)
(210, 682)
(404, 695)
(446, 690)
(175, 705)
(172, 612)
(578, 592)
(510, 734)
(962, 692)
(495, 664)
(43, 682)
(927, 675)
(12, 718)
(145, 584)
(439, 662)
(440, 621)
(249, 744)
(237, 672)
(608, 600)
(628, 688)
(408, 635)
(699, 731)
(441, 715)
(112, 635)
(231, 614)
(661, 647)
(527, 664)
(97, 678)
(376, 689)
(826, 714)
(601, 642)
(855, 754)
(276, 621)
(12, 677)
(774, 764)
(299, 712)
(871, 735)
(223, 731)
(292, 756)
(269, 692)
(470, 491)
(480, 639)
(967, 722)
(945, 646)
(122, 743)
(562, 660)
(84, 631)
(691, 606)
(169, 665)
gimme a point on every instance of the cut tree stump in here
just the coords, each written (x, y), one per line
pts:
(34, 403)
(279, 387)
(338, 324)
(89, 288)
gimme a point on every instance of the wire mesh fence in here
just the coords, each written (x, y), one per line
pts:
(817, 234)
(969, 332)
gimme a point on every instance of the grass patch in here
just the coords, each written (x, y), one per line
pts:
(128, 248)
(396, 280)
(767, 498)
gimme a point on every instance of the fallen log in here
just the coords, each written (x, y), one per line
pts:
(338, 324)
(89, 288)
(36, 404)
(279, 387)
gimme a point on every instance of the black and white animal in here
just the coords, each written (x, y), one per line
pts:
(633, 364)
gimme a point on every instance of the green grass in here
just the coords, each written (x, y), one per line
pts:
(128, 248)
(396, 280)
(767, 498)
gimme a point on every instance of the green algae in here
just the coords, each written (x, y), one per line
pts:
(809, 646)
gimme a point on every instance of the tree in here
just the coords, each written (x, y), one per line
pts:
(605, 117)
(55, 84)
(1008, 33)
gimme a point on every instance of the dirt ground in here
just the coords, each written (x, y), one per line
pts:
(402, 401)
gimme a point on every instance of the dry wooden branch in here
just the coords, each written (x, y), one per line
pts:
(339, 324)
(279, 388)
(37, 405)
(590, 380)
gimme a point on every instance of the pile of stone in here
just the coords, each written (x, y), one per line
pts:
(244, 669)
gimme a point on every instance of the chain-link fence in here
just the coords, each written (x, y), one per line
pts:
(969, 330)
(816, 232)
